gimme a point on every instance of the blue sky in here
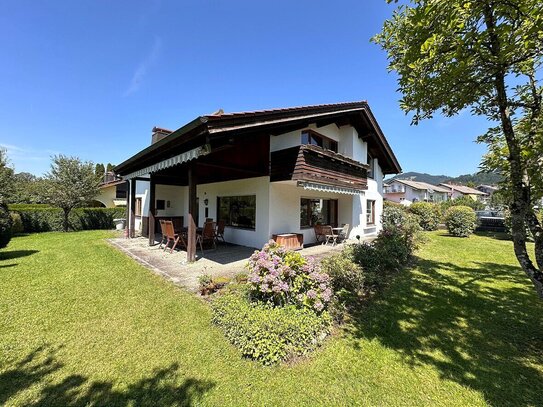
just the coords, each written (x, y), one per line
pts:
(91, 78)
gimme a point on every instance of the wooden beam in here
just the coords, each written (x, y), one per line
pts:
(127, 213)
(230, 168)
(152, 210)
(132, 217)
(191, 238)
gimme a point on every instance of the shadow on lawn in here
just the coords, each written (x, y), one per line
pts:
(15, 254)
(75, 390)
(461, 321)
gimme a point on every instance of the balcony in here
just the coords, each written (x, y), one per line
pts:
(315, 164)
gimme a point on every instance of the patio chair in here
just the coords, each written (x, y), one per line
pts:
(329, 234)
(207, 236)
(220, 231)
(171, 236)
(163, 232)
(319, 235)
(343, 235)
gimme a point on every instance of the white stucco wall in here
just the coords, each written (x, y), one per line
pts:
(258, 186)
(107, 195)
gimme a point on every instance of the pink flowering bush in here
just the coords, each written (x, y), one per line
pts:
(279, 276)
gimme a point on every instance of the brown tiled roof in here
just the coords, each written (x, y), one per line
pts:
(463, 189)
(275, 120)
(422, 186)
(289, 110)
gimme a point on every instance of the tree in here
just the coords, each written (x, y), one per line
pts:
(6, 177)
(71, 183)
(100, 170)
(485, 55)
(110, 167)
(26, 188)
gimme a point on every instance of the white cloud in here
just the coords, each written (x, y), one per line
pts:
(143, 67)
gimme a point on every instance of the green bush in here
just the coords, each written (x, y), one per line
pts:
(20, 207)
(45, 219)
(17, 224)
(462, 201)
(266, 333)
(460, 221)
(5, 225)
(344, 272)
(429, 214)
(393, 247)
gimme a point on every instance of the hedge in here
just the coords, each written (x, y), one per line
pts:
(266, 333)
(5, 225)
(47, 219)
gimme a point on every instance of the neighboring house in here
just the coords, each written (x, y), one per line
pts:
(264, 173)
(457, 191)
(489, 191)
(113, 192)
(407, 191)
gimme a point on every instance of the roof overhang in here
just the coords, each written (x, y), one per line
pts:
(206, 129)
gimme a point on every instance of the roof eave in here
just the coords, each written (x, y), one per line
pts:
(199, 121)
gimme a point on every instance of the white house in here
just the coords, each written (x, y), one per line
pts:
(406, 192)
(264, 173)
(458, 191)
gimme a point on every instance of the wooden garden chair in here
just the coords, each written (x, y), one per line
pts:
(171, 236)
(220, 231)
(329, 234)
(207, 236)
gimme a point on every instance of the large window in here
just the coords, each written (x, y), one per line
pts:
(316, 139)
(237, 211)
(370, 212)
(314, 211)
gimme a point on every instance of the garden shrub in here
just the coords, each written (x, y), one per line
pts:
(279, 276)
(269, 333)
(5, 225)
(460, 221)
(429, 214)
(44, 219)
(393, 248)
(462, 201)
(17, 224)
(344, 273)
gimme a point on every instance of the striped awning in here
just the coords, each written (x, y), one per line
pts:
(313, 186)
(170, 162)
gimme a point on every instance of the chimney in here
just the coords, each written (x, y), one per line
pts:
(159, 133)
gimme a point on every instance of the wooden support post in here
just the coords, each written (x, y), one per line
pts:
(127, 212)
(191, 239)
(132, 210)
(152, 209)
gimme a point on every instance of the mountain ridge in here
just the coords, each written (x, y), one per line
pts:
(476, 178)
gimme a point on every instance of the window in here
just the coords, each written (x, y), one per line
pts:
(370, 212)
(315, 211)
(237, 211)
(316, 139)
(371, 164)
(138, 207)
(120, 191)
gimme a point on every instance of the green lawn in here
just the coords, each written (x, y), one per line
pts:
(81, 324)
